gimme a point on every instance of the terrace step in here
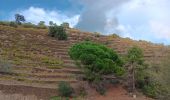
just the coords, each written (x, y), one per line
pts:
(69, 69)
(30, 79)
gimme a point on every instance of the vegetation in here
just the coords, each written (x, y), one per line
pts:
(57, 32)
(5, 23)
(96, 34)
(13, 24)
(41, 25)
(65, 25)
(114, 35)
(19, 18)
(159, 79)
(29, 25)
(65, 89)
(97, 60)
(52, 63)
(144, 78)
(136, 65)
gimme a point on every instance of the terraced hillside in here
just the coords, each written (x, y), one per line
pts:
(40, 61)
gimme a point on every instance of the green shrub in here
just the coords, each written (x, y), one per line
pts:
(96, 34)
(41, 25)
(98, 60)
(65, 89)
(65, 25)
(156, 90)
(114, 35)
(58, 32)
(5, 23)
(13, 24)
(28, 25)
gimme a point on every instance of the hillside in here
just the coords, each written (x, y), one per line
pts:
(39, 62)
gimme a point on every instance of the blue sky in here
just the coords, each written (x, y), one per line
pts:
(138, 19)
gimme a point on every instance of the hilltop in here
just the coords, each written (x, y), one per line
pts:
(39, 62)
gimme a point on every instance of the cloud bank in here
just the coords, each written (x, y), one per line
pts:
(137, 19)
(35, 15)
(99, 15)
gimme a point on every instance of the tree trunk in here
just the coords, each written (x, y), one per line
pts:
(133, 78)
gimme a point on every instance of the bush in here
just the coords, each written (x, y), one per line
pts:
(28, 25)
(98, 60)
(96, 34)
(58, 32)
(41, 25)
(5, 23)
(65, 89)
(13, 24)
(114, 35)
(65, 25)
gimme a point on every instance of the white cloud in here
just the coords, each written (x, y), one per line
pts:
(35, 14)
(160, 29)
(148, 19)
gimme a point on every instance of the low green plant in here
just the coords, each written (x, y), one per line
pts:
(56, 98)
(96, 34)
(13, 24)
(28, 25)
(65, 89)
(5, 23)
(57, 32)
(114, 35)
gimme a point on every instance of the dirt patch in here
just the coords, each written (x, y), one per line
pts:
(26, 92)
(116, 92)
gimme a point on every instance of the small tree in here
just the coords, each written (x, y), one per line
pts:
(41, 23)
(136, 66)
(51, 23)
(19, 18)
(97, 60)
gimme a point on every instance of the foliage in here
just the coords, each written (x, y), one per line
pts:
(19, 18)
(114, 35)
(5, 23)
(136, 68)
(13, 24)
(65, 89)
(58, 32)
(97, 60)
(159, 74)
(143, 77)
(65, 25)
(51, 23)
(52, 63)
(41, 25)
(96, 34)
(28, 25)
(150, 90)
